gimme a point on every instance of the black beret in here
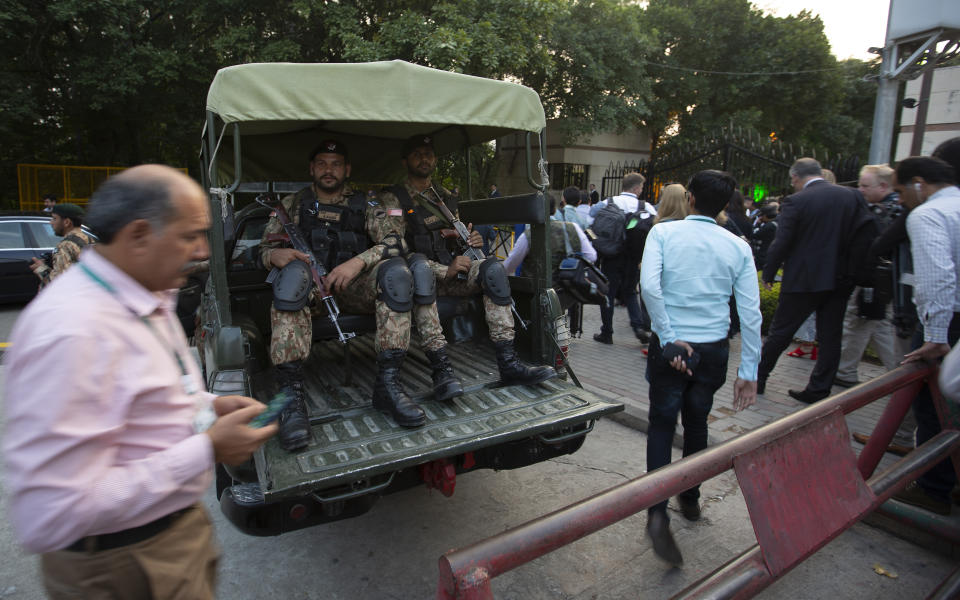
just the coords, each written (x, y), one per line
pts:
(331, 147)
(417, 141)
(68, 211)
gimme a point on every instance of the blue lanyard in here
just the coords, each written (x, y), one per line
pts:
(186, 380)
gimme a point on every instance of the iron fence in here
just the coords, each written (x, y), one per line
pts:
(760, 166)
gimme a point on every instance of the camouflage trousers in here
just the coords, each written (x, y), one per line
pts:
(292, 331)
(499, 318)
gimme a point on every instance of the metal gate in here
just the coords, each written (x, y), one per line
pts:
(800, 478)
(760, 166)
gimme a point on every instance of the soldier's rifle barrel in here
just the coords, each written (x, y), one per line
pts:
(473, 253)
(317, 270)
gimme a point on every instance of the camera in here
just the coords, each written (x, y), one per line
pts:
(47, 258)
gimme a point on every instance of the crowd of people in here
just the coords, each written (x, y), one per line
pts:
(878, 263)
(873, 264)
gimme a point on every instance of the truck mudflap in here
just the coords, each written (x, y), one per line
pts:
(365, 445)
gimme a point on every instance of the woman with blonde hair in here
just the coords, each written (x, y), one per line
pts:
(673, 204)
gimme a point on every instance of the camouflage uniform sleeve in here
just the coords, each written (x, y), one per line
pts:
(65, 255)
(274, 227)
(384, 216)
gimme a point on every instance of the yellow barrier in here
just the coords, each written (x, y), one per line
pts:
(67, 183)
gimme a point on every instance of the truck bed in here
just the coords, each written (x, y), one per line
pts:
(363, 443)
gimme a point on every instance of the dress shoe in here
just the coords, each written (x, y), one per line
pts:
(915, 495)
(844, 383)
(664, 546)
(892, 448)
(642, 335)
(805, 396)
(690, 507)
(603, 339)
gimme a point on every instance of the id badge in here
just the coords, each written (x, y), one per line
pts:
(189, 384)
(203, 416)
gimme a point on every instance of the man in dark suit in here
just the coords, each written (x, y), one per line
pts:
(811, 244)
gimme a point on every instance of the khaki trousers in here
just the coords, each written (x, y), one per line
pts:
(178, 563)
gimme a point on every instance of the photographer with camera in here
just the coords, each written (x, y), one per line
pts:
(690, 269)
(66, 220)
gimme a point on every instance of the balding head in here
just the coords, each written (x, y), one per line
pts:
(142, 192)
(153, 222)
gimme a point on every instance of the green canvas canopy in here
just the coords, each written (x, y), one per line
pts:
(283, 110)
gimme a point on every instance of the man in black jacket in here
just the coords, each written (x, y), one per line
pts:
(812, 245)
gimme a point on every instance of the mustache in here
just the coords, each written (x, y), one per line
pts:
(191, 266)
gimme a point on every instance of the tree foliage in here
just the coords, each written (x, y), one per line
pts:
(724, 61)
(119, 82)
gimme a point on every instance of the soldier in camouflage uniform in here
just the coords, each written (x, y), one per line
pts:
(375, 280)
(487, 277)
(66, 220)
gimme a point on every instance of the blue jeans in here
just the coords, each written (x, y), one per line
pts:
(672, 394)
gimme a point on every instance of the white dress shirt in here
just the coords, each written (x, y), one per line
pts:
(934, 231)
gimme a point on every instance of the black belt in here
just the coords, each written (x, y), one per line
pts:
(118, 539)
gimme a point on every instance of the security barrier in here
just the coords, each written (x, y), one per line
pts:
(802, 484)
(67, 183)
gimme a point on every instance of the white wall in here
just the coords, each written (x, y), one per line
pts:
(943, 113)
(597, 150)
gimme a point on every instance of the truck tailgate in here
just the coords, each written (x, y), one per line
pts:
(364, 443)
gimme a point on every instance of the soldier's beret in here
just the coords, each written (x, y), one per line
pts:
(417, 141)
(68, 211)
(331, 147)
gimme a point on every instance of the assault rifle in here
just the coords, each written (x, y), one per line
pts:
(440, 209)
(317, 270)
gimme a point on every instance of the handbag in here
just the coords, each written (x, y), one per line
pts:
(579, 277)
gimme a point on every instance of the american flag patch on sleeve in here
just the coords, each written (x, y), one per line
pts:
(395, 212)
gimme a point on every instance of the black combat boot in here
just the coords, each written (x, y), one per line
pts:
(445, 384)
(294, 423)
(514, 371)
(388, 394)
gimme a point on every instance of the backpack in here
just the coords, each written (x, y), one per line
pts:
(609, 230)
(637, 227)
(856, 266)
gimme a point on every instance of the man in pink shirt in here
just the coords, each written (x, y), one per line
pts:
(110, 436)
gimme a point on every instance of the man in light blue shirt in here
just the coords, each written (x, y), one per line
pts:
(690, 270)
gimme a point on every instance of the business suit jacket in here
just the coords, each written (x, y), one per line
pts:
(813, 234)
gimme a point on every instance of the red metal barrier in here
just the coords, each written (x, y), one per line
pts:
(795, 504)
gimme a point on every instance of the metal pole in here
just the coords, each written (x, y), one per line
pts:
(885, 110)
(916, 148)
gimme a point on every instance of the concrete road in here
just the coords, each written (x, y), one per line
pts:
(392, 552)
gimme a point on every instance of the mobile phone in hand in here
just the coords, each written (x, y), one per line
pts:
(276, 405)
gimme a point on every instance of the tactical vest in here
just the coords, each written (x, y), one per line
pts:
(336, 233)
(558, 248)
(423, 227)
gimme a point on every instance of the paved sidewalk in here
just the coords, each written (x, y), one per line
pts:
(617, 372)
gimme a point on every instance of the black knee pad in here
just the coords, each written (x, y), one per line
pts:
(291, 288)
(424, 282)
(493, 280)
(396, 285)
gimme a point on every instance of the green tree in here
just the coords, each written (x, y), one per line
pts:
(724, 61)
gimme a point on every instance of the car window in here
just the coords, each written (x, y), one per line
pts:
(245, 254)
(43, 233)
(11, 236)
(253, 229)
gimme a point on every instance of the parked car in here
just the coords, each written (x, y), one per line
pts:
(22, 238)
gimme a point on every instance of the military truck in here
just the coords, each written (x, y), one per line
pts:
(261, 121)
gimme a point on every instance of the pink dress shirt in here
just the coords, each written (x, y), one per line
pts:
(99, 425)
